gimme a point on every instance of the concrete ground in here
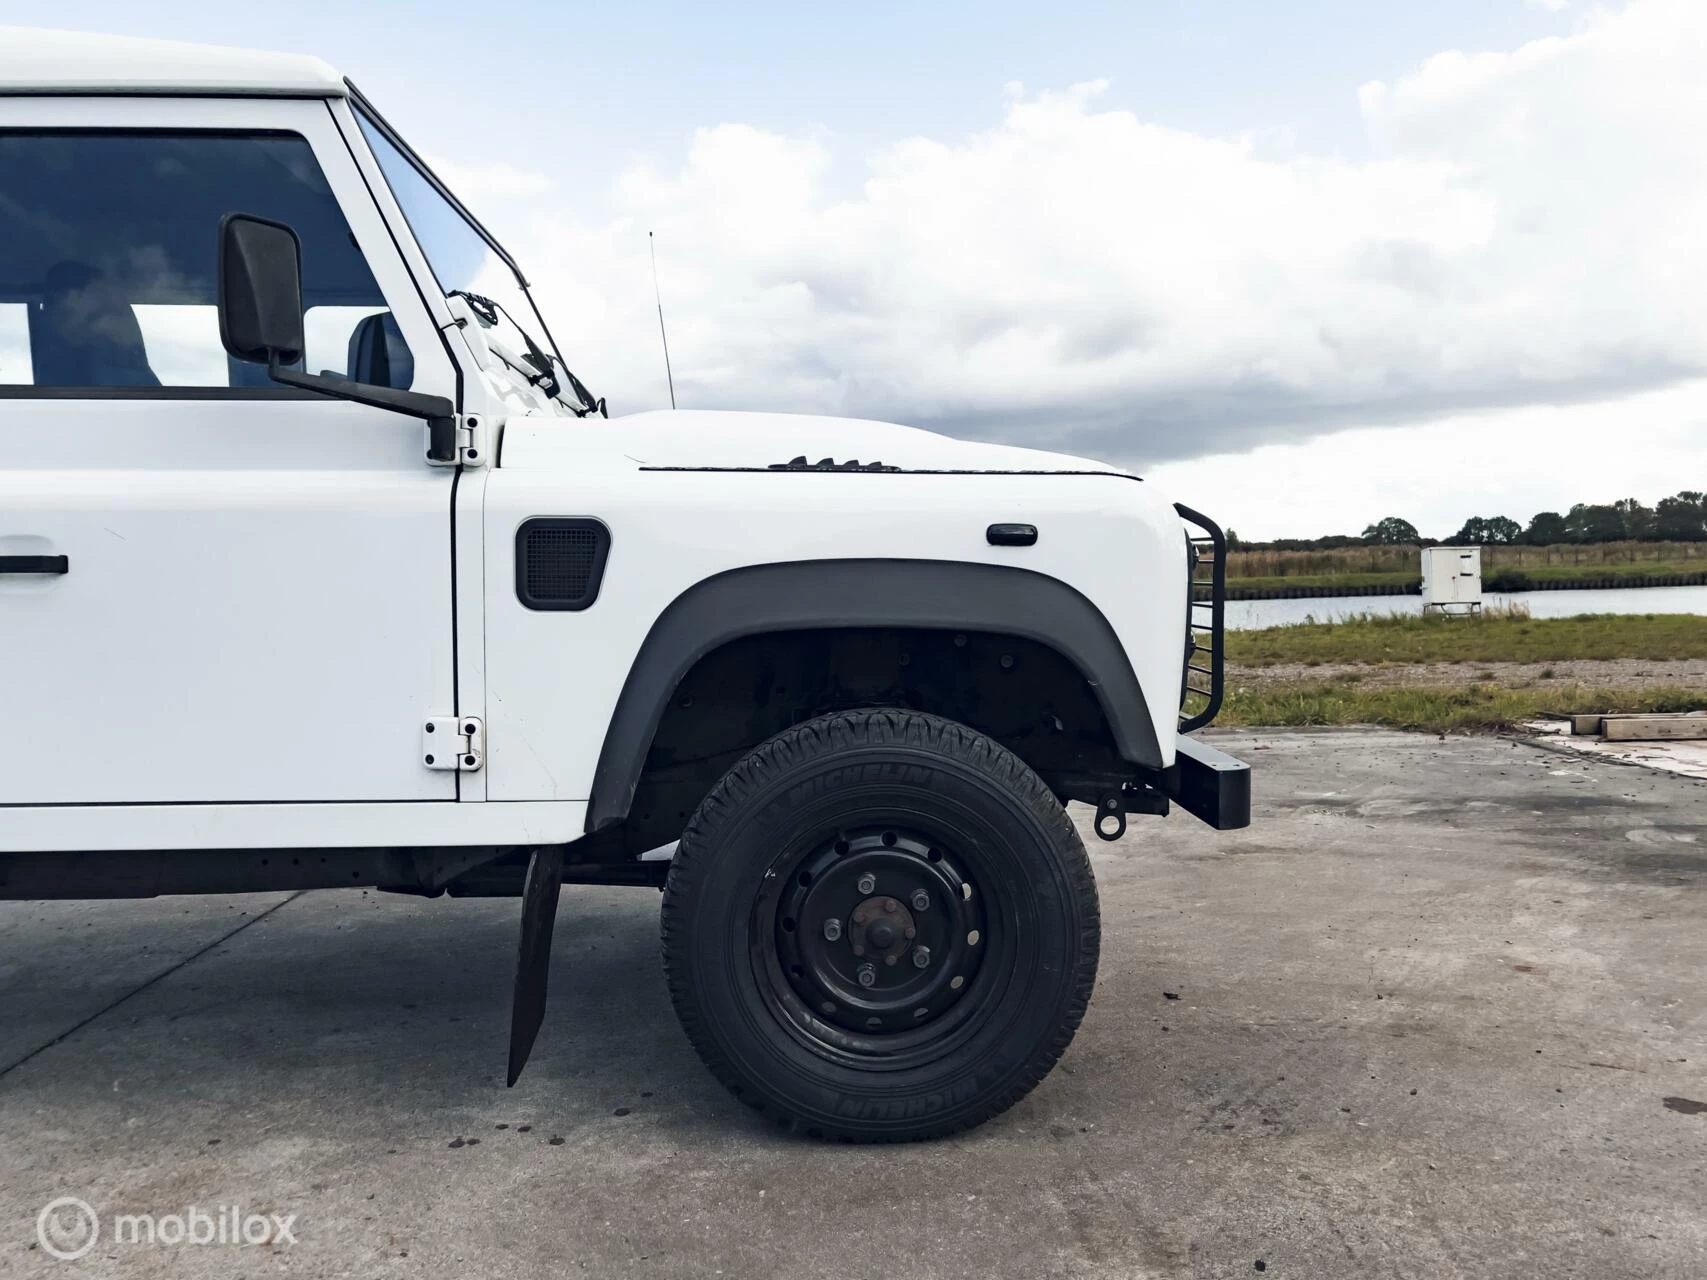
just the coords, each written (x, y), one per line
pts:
(1439, 1012)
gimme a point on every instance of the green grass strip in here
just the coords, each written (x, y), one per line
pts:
(1479, 707)
(1493, 637)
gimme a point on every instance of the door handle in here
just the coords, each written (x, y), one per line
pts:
(35, 564)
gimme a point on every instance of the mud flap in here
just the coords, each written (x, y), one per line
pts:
(533, 958)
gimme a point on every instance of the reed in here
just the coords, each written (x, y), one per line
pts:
(1650, 557)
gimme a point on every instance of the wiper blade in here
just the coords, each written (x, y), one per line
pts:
(584, 396)
(487, 310)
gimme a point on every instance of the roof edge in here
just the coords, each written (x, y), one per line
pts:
(38, 62)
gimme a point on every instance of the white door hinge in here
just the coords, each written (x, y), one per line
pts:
(449, 743)
(471, 438)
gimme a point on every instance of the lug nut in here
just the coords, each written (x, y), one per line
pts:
(867, 975)
(921, 957)
(832, 929)
(867, 883)
(921, 900)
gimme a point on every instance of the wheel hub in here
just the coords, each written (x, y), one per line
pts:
(882, 928)
(879, 931)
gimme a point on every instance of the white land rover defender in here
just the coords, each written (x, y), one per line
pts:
(319, 568)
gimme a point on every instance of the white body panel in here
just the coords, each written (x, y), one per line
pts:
(226, 632)
(288, 826)
(702, 438)
(550, 675)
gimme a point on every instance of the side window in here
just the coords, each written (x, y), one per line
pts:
(108, 244)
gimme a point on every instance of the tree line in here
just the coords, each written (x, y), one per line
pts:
(1679, 518)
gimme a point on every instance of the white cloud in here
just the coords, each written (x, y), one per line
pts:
(1552, 6)
(1510, 462)
(493, 179)
(1526, 230)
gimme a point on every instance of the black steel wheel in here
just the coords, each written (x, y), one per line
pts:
(880, 925)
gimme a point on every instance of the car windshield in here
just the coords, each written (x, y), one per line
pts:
(469, 265)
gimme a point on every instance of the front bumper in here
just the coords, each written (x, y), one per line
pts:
(1209, 784)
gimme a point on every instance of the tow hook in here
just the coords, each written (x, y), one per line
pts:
(1111, 816)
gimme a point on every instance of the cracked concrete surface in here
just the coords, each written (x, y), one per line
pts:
(1440, 1013)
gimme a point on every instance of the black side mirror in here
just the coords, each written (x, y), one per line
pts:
(260, 290)
(260, 319)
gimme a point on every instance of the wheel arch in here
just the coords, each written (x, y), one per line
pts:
(860, 594)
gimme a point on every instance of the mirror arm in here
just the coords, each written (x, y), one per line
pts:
(439, 412)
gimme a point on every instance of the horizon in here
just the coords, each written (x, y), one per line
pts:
(1562, 510)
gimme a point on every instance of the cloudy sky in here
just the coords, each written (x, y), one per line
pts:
(1305, 264)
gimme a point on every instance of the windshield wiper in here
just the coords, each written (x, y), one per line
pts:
(487, 310)
(583, 395)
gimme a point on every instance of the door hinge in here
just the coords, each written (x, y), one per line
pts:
(449, 743)
(470, 443)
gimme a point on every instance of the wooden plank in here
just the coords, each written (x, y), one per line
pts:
(1651, 728)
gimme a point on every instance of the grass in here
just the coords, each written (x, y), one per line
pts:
(1478, 706)
(1343, 580)
(1564, 572)
(1335, 564)
(1515, 579)
(1496, 636)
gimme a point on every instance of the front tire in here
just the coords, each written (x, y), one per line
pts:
(880, 926)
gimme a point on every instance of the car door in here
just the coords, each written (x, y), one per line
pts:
(214, 590)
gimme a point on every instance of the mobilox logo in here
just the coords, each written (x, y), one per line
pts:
(67, 1228)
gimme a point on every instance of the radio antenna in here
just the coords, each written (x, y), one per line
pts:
(652, 245)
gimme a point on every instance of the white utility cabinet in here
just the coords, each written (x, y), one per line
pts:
(1452, 579)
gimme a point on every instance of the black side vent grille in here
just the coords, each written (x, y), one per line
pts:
(560, 562)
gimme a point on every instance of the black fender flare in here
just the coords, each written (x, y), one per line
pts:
(941, 595)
